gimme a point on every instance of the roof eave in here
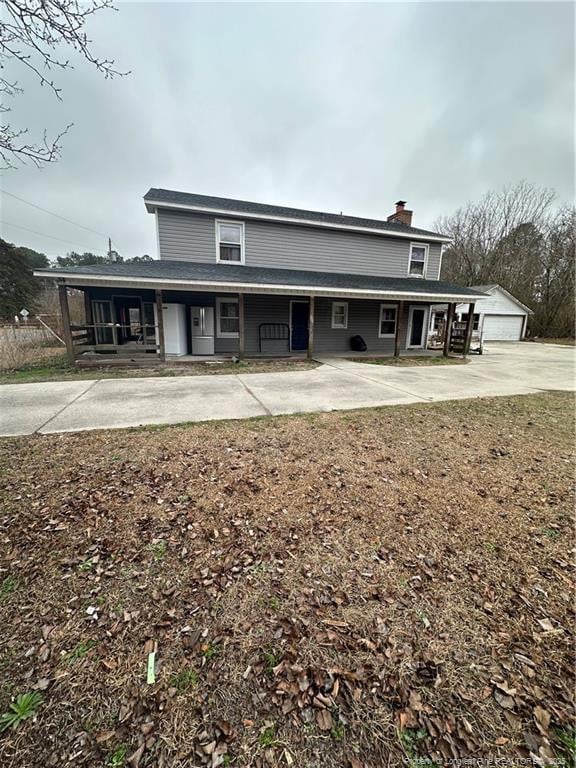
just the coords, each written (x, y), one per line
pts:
(86, 280)
(152, 205)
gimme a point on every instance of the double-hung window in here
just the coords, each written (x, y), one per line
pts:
(418, 259)
(227, 318)
(388, 319)
(339, 314)
(230, 242)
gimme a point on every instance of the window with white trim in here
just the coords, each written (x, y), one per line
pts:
(230, 242)
(388, 319)
(227, 318)
(418, 259)
(339, 314)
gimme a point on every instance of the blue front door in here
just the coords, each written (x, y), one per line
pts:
(299, 326)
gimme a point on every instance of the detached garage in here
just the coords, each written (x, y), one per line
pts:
(501, 317)
(503, 327)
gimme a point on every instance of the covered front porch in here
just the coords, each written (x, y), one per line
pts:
(152, 326)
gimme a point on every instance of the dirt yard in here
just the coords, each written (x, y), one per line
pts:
(345, 590)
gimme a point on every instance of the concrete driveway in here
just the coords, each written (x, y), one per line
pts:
(337, 384)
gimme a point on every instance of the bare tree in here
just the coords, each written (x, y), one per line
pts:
(31, 32)
(482, 232)
(554, 289)
(514, 238)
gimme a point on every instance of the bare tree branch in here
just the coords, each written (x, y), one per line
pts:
(31, 33)
(513, 237)
(12, 148)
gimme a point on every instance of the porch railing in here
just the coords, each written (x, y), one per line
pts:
(114, 338)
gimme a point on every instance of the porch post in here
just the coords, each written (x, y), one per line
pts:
(469, 326)
(311, 328)
(241, 342)
(399, 317)
(65, 312)
(448, 329)
(89, 319)
(160, 345)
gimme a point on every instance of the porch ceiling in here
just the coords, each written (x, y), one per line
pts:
(228, 278)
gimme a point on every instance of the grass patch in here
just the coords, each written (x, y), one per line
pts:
(8, 586)
(59, 370)
(272, 657)
(407, 362)
(24, 706)
(79, 652)
(267, 736)
(158, 549)
(210, 651)
(117, 758)
(566, 738)
(183, 680)
(411, 740)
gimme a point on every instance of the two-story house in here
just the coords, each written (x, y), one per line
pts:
(241, 278)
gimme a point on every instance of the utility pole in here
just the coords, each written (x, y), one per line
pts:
(109, 249)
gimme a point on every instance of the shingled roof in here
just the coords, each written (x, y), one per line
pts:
(185, 272)
(247, 208)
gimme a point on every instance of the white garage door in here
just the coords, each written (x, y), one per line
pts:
(502, 327)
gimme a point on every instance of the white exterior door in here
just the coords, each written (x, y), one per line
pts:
(417, 328)
(502, 327)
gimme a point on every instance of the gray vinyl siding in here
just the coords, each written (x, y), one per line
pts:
(434, 262)
(363, 320)
(265, 309)
(186, 236)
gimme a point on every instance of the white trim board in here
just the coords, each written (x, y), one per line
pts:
(215, 287)
(153, 205)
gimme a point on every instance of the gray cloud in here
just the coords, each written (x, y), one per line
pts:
(330, 106)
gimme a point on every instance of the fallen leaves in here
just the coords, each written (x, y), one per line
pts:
(314, 588)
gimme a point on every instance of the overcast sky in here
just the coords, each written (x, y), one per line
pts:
(335, 107)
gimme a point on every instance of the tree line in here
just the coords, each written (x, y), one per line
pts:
(19, 289)
(517, 238)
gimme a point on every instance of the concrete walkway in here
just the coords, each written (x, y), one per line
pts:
(338, 384)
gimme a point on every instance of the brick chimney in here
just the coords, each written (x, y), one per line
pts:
(402, 214)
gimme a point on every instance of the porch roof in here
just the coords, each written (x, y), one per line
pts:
(234, 278)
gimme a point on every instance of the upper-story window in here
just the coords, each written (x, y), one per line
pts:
(230, 242)
(418, 259)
